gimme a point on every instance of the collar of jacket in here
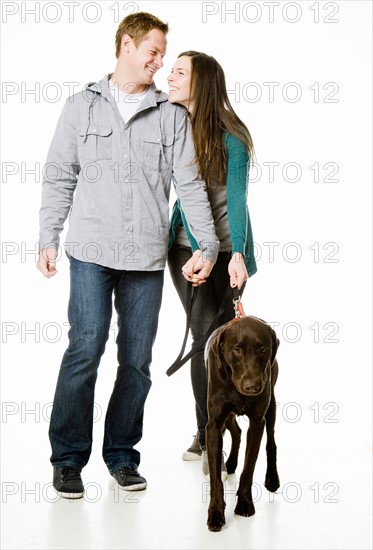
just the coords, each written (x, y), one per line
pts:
(151, 99)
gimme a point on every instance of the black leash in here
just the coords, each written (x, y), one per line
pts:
(192, 292)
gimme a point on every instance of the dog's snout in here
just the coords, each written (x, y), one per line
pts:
(252, 387)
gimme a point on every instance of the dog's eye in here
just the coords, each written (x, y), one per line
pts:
(236, 350)
(263, 349)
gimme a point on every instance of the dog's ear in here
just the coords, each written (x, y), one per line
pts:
(216, 349)
(275, 345)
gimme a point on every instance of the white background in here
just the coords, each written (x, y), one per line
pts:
(300, 78)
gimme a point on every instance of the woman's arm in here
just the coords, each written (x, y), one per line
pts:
(237, 183)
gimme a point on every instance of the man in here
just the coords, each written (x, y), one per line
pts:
(115, 150)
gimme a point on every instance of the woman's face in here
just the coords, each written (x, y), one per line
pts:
(179, 83)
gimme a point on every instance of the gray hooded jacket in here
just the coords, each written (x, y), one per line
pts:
(114, 179)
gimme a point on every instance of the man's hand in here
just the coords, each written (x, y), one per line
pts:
(197, 269)
(47, 262)
(237, 271)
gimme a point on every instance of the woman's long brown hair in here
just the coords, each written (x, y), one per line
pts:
(213, 115)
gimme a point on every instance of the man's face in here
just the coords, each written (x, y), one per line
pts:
(145, 60)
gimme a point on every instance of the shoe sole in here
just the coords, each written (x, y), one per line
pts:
(70, 495)
(187, 455)
(136, 487)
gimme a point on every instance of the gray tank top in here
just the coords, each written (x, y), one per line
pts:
(218, 200)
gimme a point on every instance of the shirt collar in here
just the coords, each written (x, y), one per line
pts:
(154, 96)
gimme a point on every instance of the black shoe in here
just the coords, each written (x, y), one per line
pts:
(67, 482)
(129, 479)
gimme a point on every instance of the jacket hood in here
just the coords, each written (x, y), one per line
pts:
(102, 87)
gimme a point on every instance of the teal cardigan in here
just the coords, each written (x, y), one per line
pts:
(241, 234)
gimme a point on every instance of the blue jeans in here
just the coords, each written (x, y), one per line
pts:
(138, 296)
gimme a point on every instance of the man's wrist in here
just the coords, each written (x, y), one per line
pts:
(210, 251)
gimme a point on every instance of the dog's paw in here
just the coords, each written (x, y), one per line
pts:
(215, 520)
(272, 482)
(231, 466)
(244, 508)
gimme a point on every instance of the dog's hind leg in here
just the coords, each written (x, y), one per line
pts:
(235, 431)
(272, 482)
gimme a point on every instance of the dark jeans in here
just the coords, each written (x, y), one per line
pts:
(209, 299)
(137, 301)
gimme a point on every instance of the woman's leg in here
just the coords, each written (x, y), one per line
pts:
(206, 306)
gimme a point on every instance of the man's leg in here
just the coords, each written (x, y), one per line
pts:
(90, 309)
(138, 297)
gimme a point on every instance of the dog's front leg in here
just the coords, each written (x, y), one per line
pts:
(245, 505)
(214, 442)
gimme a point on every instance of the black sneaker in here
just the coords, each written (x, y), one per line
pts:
(194, 452)
(129, 479)
(67, 482)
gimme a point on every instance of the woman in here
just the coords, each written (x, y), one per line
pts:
(223, 150)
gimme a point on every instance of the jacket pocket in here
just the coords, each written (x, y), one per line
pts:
(157, 150)
(96, 143)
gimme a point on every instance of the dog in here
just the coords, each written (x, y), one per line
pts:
(242, 371)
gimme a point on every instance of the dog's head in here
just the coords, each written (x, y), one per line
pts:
(248, 347)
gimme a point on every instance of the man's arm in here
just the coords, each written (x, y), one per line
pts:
(59, 181)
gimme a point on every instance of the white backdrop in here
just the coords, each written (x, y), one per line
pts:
(299, 75)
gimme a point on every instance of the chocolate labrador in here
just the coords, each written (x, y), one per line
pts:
(242, 371)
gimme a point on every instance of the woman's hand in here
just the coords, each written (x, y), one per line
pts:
(197, 269)
(237, 270)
